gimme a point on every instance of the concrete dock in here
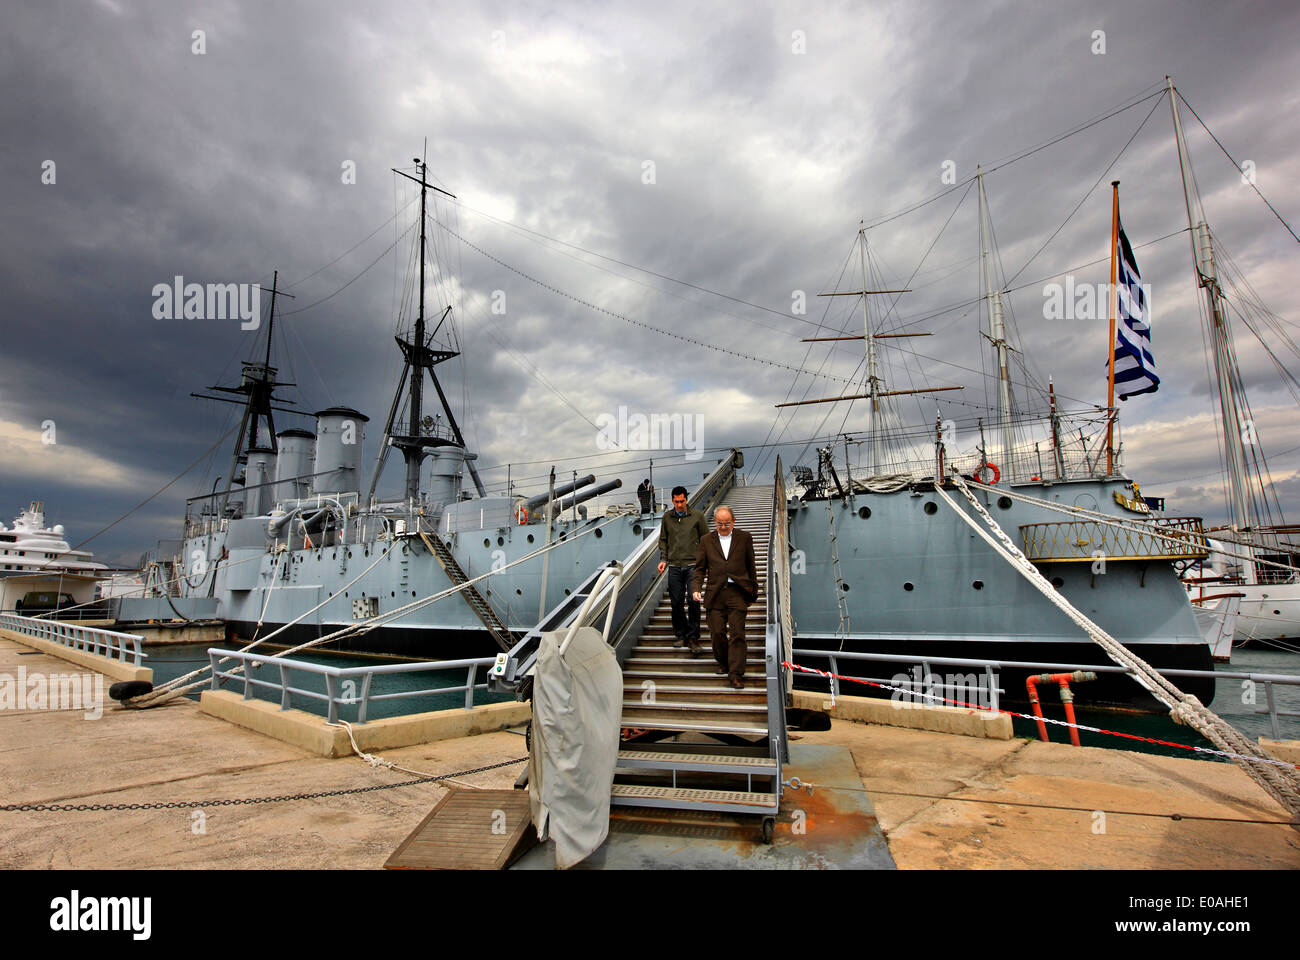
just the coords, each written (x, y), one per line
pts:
(942, 800)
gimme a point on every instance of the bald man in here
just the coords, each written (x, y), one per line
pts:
(726, 558)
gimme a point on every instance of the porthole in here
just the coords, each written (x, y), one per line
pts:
(908, 586)
(1057, 582)
(334, 555)
(501, 541)
(977, 584)
(864, 512)
(518, 592)
(931, 507)
(564, 535)
(530, 538)
(1004, 503)
(566, 591)
(636, 528)
(844, 587)
(349, 554)
(599, 533)
(486, 542)
(345, 594)
(392, 593)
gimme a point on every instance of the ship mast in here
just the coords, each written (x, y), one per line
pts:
(997, 335)
(874, 458)
(257, 386)
(1224, 368)
(418, 357)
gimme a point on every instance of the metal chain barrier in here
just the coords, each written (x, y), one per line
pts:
(240, 801)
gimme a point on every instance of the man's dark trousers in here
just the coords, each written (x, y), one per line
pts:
(727, 627)
(686, 611)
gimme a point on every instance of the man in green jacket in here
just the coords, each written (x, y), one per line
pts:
(679, 541)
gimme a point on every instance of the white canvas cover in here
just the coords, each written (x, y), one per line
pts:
(577, 709)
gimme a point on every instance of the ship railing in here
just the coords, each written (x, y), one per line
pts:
(104, 643)
(779, 647)
(1085, 540)
(344, 686)
(988, 693)
(640, 587)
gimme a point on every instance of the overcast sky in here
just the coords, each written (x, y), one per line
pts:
(736, 150)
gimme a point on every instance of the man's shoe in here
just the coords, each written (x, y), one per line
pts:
(681, 642)
(697, 651)
(737, 684)
(721, 671)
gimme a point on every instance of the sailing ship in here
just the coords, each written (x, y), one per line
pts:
(1260, 573)
(890, 568)
(296, 546)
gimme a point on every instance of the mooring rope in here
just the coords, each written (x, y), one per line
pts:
(1282, 784)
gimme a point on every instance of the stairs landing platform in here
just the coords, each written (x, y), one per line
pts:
(835, 829)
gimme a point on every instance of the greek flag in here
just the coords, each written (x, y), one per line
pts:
(1135, 367)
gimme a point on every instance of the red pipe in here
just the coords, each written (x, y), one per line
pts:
(1032, 689)
(1067, 699)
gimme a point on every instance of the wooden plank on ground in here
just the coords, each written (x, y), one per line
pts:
(469, 830)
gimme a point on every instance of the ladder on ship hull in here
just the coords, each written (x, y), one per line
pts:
(476, 601)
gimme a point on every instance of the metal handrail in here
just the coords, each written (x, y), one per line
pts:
(779, 639)
(1268, 679)
(88, 639)
(335, 676)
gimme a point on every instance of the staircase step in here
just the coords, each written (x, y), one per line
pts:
(685, 664)
(709, 725)
(636, 795)
(745, 720)
(701, 707)
(696, 680)
(704, 762)
(715, 693)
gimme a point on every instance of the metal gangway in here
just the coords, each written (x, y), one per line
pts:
(734, 764)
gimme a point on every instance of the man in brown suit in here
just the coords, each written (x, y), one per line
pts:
(726, 558)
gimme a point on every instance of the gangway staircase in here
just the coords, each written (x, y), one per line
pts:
(690, 741)
(476, 601)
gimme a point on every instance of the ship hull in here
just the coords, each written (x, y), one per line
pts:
(903, 574)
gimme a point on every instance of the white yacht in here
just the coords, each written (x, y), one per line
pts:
(39, 571)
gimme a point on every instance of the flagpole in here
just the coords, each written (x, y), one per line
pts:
(1110, 378)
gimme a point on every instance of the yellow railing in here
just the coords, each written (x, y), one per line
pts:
(1087, 540)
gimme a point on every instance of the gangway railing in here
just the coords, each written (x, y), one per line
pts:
(780, 623)
(638, 592)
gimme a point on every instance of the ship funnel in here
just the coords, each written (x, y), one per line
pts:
(533, 504)
(340, 432)
(295, 459)
(257, 498)
(587, 495)
(446, 473)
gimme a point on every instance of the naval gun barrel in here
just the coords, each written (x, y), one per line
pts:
(532, 504)
(587, 495)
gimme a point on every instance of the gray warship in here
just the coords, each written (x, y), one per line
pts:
(295, 544)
